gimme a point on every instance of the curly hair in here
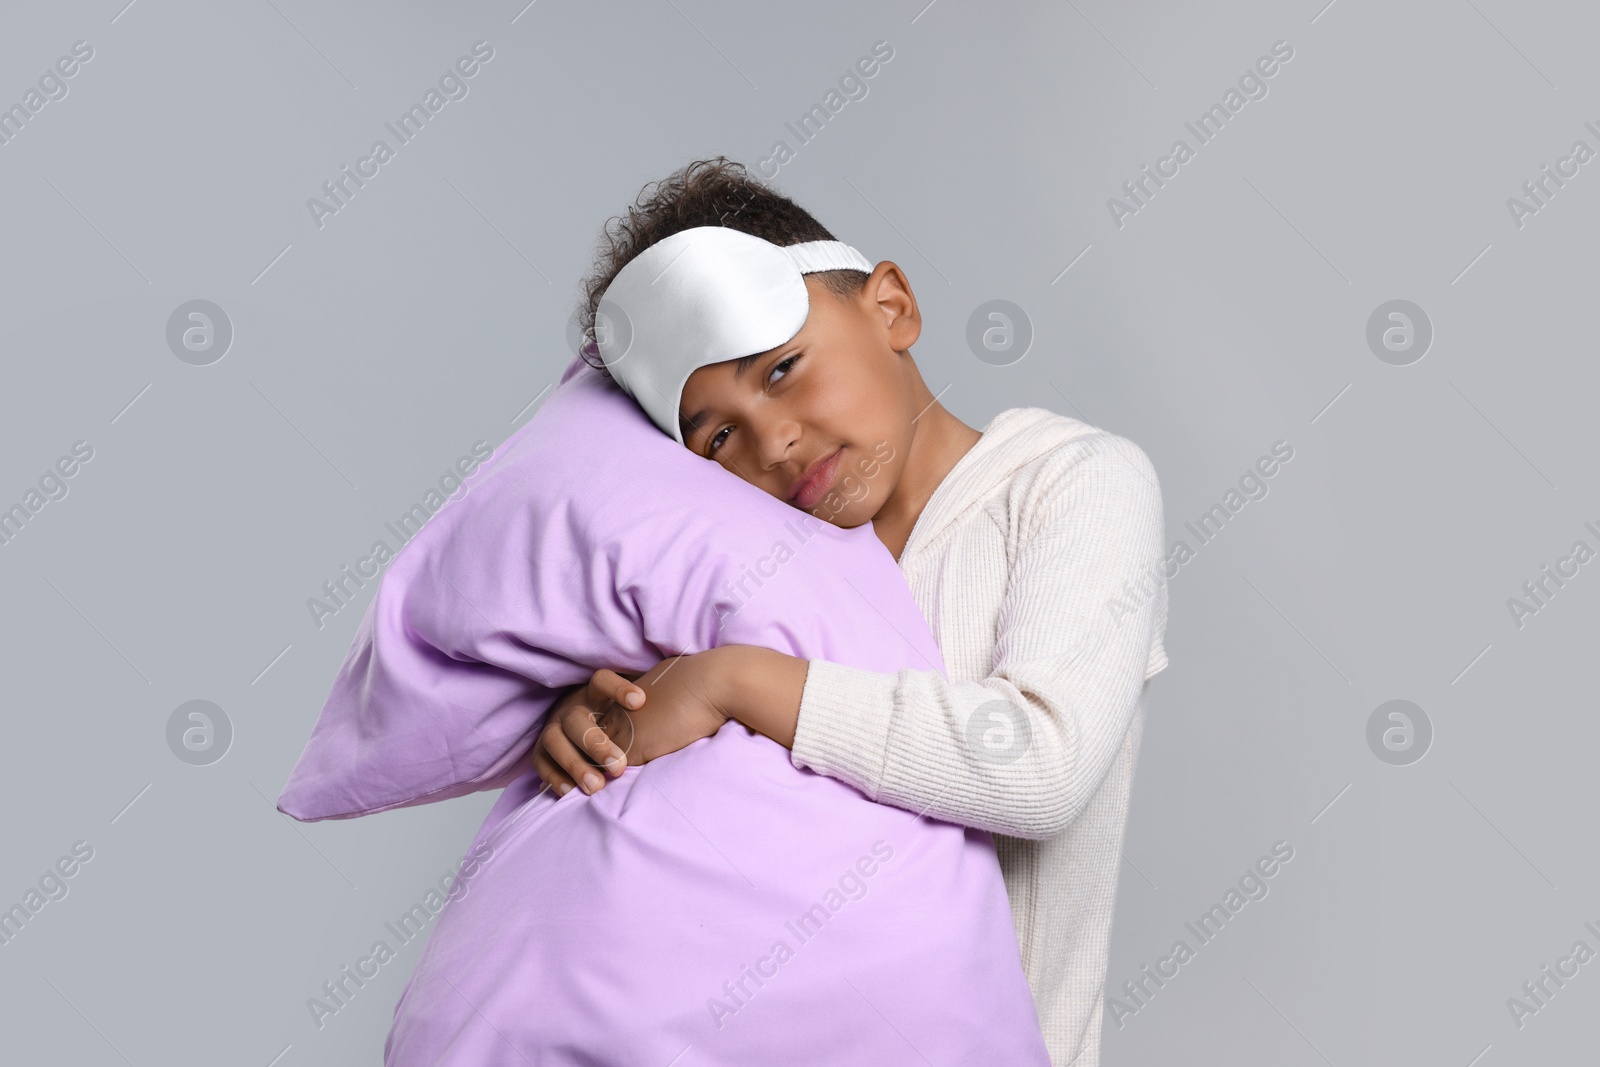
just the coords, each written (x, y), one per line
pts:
(707, 192)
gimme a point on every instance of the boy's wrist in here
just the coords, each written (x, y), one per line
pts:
(728, 676)
(760, 688)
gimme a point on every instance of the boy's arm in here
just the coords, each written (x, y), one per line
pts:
(1023, 751)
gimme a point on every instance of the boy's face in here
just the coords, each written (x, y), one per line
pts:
(841, 392)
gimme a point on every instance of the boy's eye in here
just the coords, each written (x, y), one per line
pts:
(781, 365)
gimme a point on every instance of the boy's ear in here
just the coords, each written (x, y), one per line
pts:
(890, 290)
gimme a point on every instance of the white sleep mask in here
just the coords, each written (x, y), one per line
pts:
(702, 296)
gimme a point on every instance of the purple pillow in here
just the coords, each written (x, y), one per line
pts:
(717, 905)
(589, 539)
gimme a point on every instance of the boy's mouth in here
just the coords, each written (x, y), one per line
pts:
(817, 479)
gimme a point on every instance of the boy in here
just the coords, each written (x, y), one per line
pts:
(1015, 542)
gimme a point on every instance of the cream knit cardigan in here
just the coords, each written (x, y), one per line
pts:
(1036, 564)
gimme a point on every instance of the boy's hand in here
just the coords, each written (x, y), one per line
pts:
(575, 739)
(602, 722)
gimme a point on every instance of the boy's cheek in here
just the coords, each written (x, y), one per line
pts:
(882, 452)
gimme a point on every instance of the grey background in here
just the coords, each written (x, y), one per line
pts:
(1228, 314)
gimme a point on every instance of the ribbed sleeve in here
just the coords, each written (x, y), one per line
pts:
(1068, 668)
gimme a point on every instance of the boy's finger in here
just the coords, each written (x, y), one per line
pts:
(593, 740)
(613, 686)
(569, 759)
(550, 774)
(619, 726)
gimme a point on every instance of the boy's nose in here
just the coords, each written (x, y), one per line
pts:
(775, 438)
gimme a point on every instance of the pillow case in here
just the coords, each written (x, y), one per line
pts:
(718, 905)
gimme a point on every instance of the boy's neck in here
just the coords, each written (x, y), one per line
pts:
(938, 442)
